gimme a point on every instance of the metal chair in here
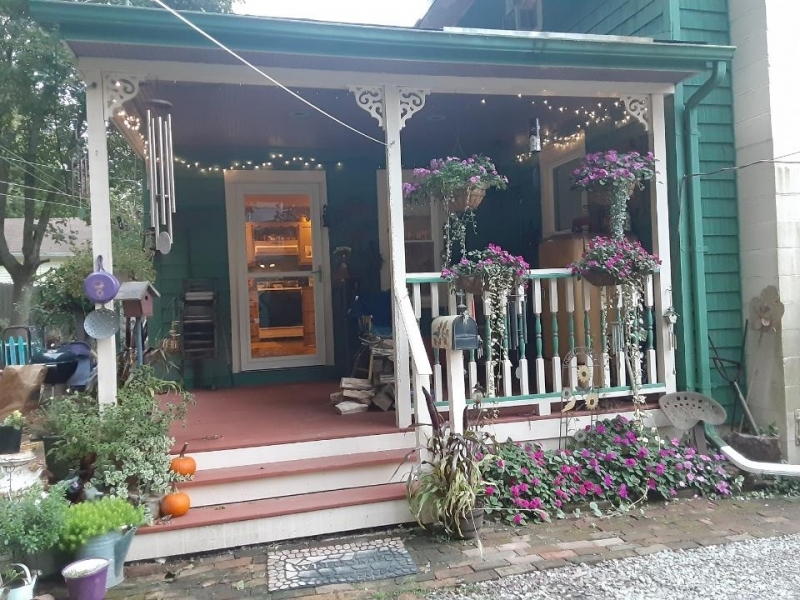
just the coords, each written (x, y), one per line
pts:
(688, 410)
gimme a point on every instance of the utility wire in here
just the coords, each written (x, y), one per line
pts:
(52, 180)
(263, 74)
(30, 187)
(15, 197)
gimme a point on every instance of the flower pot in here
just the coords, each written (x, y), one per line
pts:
(58, 469)
(19, 589)
(112, 547)
(47, 563)
(466, 198)
(600, 278)
(86, 579)
(470, 524)
(10, 439)
(472, 284)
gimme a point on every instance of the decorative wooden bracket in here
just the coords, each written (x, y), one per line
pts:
(371, 100)
(639, 108)
(117, 90)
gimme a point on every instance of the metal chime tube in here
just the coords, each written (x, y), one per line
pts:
(162, 188)
(170, 173)
(152, 176)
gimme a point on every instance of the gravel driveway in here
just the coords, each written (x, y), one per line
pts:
(759, 569)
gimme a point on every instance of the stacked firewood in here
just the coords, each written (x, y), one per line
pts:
(357, 395)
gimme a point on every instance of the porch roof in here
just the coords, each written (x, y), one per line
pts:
(151, 34)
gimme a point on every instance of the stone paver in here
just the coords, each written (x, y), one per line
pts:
(503, 550)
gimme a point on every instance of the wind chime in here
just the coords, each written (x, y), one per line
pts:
(161, 173)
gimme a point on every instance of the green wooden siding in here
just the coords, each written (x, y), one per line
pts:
(690, 21)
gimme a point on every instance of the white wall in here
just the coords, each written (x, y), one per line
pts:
(54, 262)
(766, 88)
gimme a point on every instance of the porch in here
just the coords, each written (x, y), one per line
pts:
(276, 462)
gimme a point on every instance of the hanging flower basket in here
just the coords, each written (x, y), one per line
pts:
(467, 198)
(472, 284)
(600, 278)
(604, 196)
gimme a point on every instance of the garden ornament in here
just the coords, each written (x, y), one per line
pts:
(688, 410)
(101, 286)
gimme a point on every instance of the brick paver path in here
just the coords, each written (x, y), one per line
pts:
(505, 551)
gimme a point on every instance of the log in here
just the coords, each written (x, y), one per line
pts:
(348, 408)
(353, 383)
(383, 401)
(363, 396)
(336, 397)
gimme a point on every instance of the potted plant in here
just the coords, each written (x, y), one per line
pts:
(496, 273)
(17, 583)
(611, 261)
(613, 175)
(447, 487)
(102, 529)
(31, 524)
(459, 185)
(125, 449)
(11, 433)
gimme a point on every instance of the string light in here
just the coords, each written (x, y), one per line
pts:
(276, 160)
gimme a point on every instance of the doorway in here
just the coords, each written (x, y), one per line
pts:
(279, 269)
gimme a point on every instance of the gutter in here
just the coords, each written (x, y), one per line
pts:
(744, 463)
(695, 206)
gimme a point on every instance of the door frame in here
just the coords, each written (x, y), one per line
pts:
(239, 183)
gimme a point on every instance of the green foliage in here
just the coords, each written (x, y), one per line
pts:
(89, 520)
(15, 420)
(32, 521)
(449, 484)
(129, 442)
(224, 6)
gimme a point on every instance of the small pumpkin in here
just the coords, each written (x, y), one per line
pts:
(175, 504)
(182, 464)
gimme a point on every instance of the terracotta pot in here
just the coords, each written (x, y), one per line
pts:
(472, 284)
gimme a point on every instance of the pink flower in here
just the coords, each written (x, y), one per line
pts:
(623, 491)
(489, 491)
(517, 519)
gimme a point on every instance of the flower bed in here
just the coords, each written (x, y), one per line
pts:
(611, 463)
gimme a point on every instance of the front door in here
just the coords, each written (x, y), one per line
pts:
(279, 265)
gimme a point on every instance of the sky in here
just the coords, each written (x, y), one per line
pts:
(375, 12)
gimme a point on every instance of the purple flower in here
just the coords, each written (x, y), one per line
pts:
(630, 462)
(623, 491)
(517, 519)
(489, 491)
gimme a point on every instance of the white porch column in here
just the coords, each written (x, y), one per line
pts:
(392, 106)
(397, 251)
(104, 96)
(662, 282)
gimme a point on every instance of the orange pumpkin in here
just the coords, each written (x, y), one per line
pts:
(175, 504)
(182, 464)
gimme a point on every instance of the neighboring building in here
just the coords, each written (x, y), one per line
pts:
(54, 250)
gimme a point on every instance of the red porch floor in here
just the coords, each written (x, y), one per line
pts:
(273, 414)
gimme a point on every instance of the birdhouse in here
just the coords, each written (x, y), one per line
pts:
(137, 298)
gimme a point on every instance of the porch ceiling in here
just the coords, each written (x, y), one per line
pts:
(242, 122)
(152, 35)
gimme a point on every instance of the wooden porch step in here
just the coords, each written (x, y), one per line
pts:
(293, 477)
(275, 507)
(297, 467)
(262, 521)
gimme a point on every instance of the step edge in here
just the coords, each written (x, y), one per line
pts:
(389, 492)
(302, 466)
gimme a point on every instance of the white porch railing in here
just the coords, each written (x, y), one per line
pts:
(556, 313)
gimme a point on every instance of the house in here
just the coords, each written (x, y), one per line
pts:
(267, 185)
(57, 246)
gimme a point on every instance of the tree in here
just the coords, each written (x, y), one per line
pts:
(42, 126)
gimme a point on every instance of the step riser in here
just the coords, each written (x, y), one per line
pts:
(295, 484)
(270, 529)
(237, 457)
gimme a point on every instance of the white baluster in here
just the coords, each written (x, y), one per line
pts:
(472, 366)
(652, 374)
(508, 388)
(621, 365)
(490, 384)
(570, 301)
(605, 359)
(416, 299)
(421, 416)
(536, 293)
(556, 334)
(438, 386)
(588, 341)
(523, 361)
